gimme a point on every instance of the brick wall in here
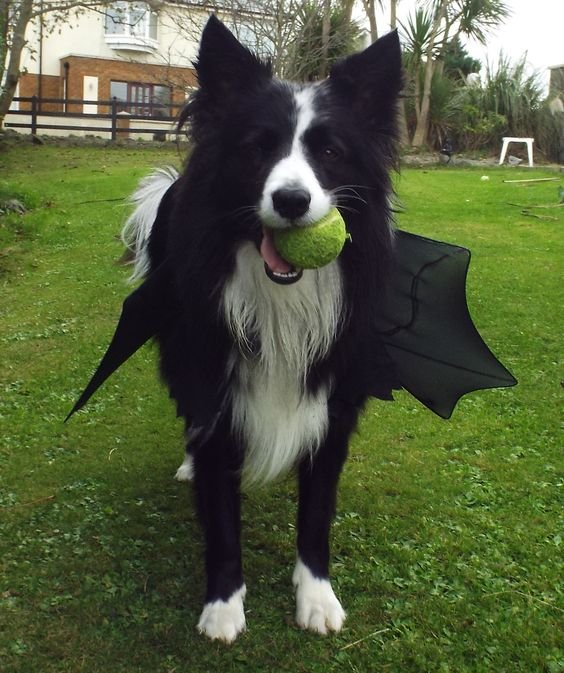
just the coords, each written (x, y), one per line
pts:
(50, 88)
(106, 70)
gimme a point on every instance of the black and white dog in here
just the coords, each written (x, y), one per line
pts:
(266, 362)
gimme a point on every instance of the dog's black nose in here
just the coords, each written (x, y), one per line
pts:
(291, 203)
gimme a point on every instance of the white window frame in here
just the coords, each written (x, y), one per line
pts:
(131, 31)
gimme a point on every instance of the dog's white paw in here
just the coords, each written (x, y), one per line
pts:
(186, 471)
(224, 620)
(317, 607)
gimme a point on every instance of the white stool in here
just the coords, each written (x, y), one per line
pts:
(528, 141)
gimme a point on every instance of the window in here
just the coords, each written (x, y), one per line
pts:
(138, 98)
(131, 25)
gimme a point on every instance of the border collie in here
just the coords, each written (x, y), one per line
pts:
(266, 362)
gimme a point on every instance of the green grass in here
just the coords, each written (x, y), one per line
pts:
(448, 543)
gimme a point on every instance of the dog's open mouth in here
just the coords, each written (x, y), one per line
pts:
(275, 266)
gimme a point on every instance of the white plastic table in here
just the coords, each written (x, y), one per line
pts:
(528, 141)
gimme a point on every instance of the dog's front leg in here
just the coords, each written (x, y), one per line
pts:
(317, 607)
(217, 483)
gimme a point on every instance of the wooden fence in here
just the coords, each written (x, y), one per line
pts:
(41, 116)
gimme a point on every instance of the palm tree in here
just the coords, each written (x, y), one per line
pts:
(323, 33)
(370, 11)
(422, 128)
(416, 35)
(473, 19)
(452, 18)
(477, 17)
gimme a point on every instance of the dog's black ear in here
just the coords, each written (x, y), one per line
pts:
(224, 64)
(372, 78)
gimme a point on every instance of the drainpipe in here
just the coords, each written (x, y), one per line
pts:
(66, 66)
(40, 82)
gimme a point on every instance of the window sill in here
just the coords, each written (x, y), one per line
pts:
(132, 43)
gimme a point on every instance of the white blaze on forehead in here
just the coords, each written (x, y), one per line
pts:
(305, 113)
(295, 171)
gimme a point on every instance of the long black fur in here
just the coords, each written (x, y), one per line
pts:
(240, 122)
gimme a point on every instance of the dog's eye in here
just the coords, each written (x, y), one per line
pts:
(324, 144)
(330, 153)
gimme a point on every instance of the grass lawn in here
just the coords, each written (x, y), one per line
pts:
(448, 543)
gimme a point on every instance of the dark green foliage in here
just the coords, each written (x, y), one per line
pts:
(475, 115)
(509, 102)
(458, 63)
(308, 59)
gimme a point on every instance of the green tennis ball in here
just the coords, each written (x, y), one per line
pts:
(313, 246)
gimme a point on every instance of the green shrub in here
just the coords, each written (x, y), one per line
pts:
(509, 102)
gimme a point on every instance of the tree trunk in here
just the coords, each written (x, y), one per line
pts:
(348, 6)
(325, 37)
(440, 64)
(370, 10)
(422, 128)
(4, 18)
(417, 97)
(403, 131)
(393, 14)
(22, 19)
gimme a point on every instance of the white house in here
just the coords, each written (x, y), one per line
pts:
(138, 52)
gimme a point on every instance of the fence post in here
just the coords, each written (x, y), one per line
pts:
(114, 118)
(34, 115)
(123, 124)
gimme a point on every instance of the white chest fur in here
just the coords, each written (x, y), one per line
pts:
(277, 419)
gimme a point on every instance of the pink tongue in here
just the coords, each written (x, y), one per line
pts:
(270, 254)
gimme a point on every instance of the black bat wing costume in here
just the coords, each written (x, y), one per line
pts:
(424, 326)
(427, 329)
